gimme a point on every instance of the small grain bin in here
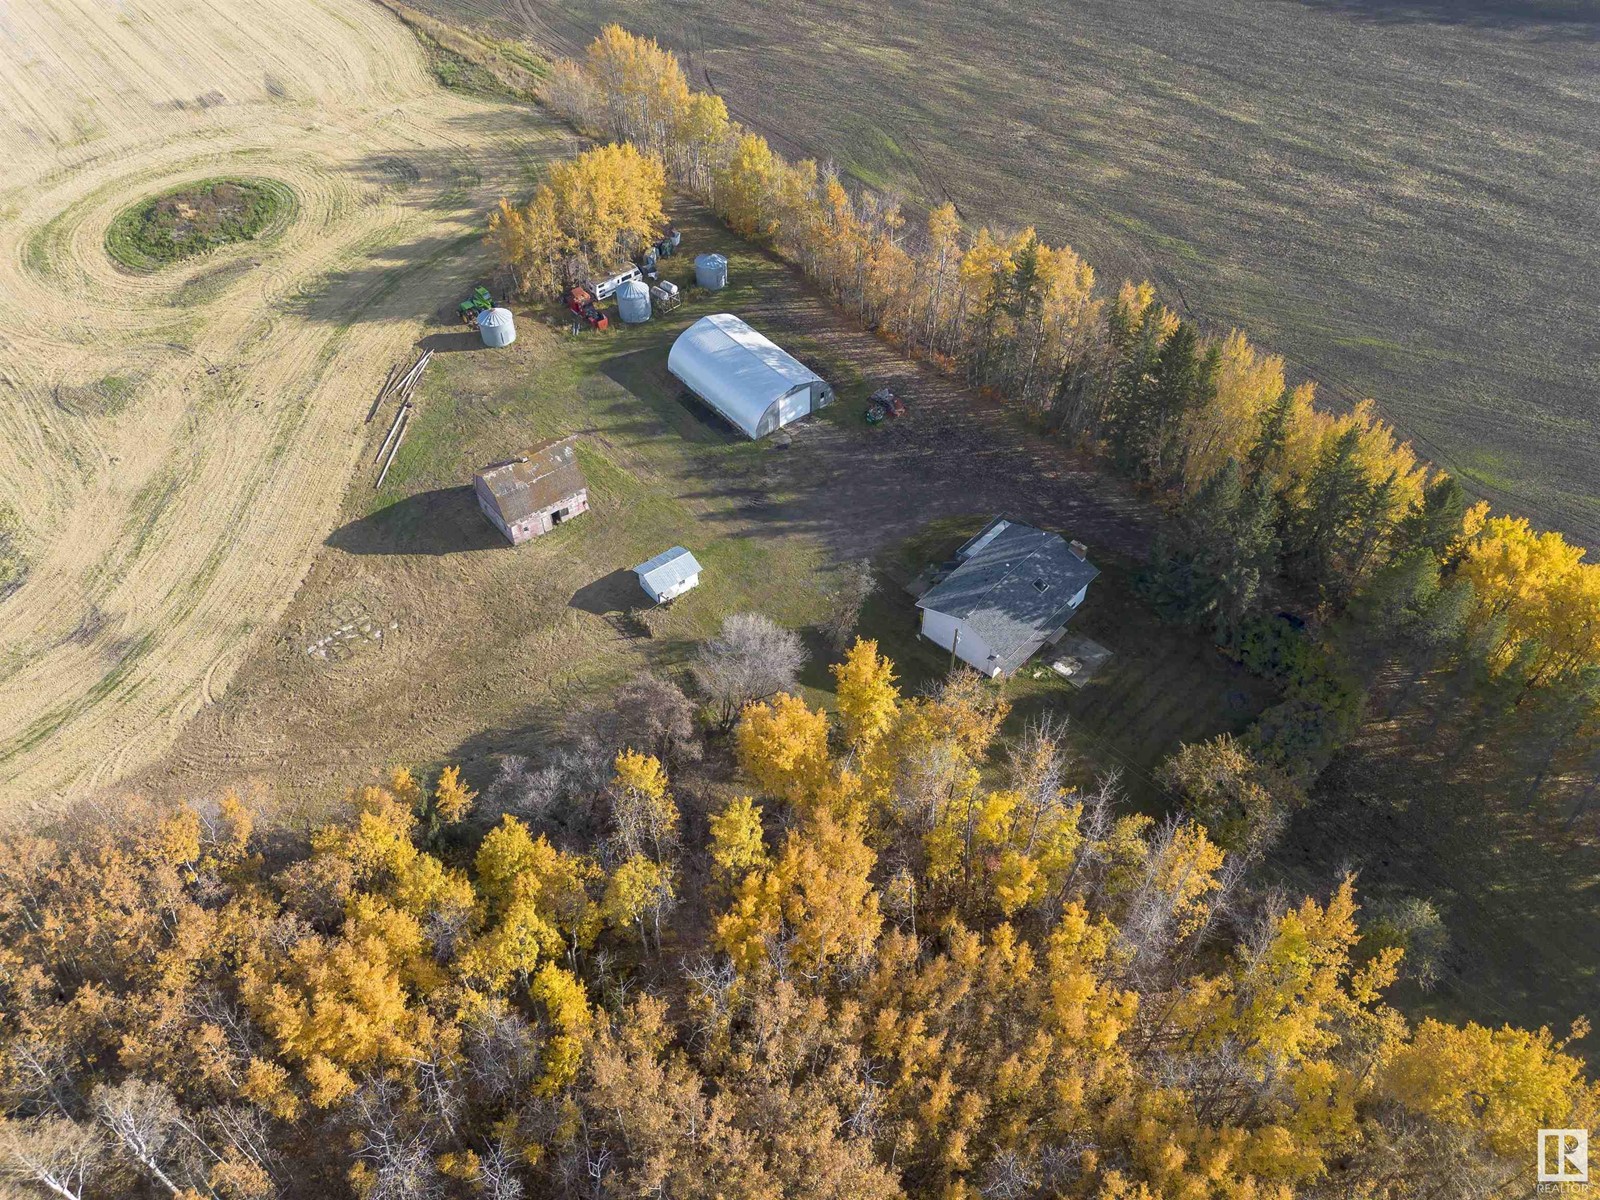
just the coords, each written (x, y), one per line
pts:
(633, 302)
(711, 272)
(496, 327)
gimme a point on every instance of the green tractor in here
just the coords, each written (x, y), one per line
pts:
(480, 302)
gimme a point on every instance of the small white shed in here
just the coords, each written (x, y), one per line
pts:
(668, 575)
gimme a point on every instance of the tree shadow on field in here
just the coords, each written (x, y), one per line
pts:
(444, 521)
(380, 280)
(382, 284)
(479, 754)
(616, 592)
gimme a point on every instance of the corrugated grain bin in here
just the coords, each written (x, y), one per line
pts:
(496, 327)
(633, 302)
(711, 272)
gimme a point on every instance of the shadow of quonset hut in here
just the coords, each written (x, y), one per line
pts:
(528, 496)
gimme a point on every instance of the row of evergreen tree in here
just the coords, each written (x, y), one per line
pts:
(1276, 496)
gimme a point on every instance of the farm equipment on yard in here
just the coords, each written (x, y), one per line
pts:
(665, 296)
(582, 302)
(479, 302)
(891, 404)
(882, 404)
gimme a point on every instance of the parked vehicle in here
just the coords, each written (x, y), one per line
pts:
(886, 400)
(582, 302)
(604, 289)
(479, 302)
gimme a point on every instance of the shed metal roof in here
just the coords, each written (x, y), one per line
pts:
(1012, 588)
(668, 569)
(543, 475)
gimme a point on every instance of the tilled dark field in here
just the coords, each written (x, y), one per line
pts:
(1399, 197)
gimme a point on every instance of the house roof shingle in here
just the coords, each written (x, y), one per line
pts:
(543, 475)
(1012, 588)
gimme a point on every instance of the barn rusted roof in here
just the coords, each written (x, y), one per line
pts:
(543, 475)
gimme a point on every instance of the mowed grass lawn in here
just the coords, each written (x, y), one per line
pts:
(491, 650)
(486, 648)
(662, 470)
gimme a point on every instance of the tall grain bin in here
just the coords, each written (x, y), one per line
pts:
(633, 301)
(711, 272)
(496, 327)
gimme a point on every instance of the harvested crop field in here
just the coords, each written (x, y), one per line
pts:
(1398, 195)
(174, 443)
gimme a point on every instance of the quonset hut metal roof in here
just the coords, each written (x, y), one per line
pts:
(736, 370)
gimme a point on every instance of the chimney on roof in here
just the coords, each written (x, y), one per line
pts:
(1079, 549)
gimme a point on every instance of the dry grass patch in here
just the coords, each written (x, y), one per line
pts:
(174, 443)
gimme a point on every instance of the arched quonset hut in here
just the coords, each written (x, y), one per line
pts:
(750, 381)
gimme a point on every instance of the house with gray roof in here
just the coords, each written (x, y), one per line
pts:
(668, 575)
(1013, 589)
(528, 496)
